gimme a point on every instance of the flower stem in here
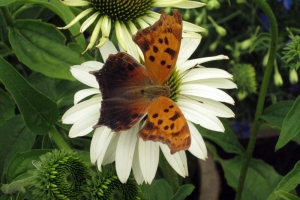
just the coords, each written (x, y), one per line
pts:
(7, 15)
(262, 94)
(169, 174)
(58, 139)
(16, 185)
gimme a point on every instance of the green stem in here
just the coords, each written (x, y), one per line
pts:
(262, 94)
(17, 185)
(170, 174)
(7, 15)
(58, 139)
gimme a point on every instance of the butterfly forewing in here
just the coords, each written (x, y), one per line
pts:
(160, 44)
(121, 80)
(166, 123)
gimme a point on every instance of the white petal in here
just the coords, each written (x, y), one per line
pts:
(213, 107)
(75, 3)
(142, 23)
(205, 119)
(189, 27)
(110, 154)
(77, 18)
(81, 72)
(120, 35)
(106, 49)
(197, 147)
(82, 110)
(187, 48)
(136, 169)
(81, 94)
(130, 45)
(205, 73)
(100, 141)
(177, 160)
(206, 92)
(88, 22)
(190, 4)
(148, 156)
(192, 63)
(166, 3)
(125, 152)
(191, 35)
(94, 36)
(217, 83)
(84, 127)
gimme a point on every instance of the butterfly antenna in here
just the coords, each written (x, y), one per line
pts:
(183, 74)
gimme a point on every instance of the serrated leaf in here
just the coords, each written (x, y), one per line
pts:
(227, 140)
(38, 111)
(276, 113)
(288, 183)
(259, 39)
(41, 47)
(290, 125)
(183, 192)
(15, 138)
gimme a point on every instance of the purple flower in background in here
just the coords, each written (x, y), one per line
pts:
(242, 128)
(287, 4)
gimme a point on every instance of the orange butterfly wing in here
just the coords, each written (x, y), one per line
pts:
(166, 123)
(120, 81)
(160, 45)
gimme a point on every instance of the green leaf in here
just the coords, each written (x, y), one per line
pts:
(159, 189)
(290, 126)
(6, 196)
(288, 183)
(228, 140)
(7, 107)
(60, 91)
(286, 195)
(261, 178)
(260, 181)
(41, 47)
(259, 40)
(38, 111)
(183, 192)
(15, 138)
(276, 113)
(61, 10)
(21, 163)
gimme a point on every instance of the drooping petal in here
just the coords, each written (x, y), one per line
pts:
(125, 152)
(77, 18)
(110, 154)
(187, 48)
(197, 147)
(177, 161)
(148, 157)
(106, 49)
(220, 83)
(205, 73)
(192, 63)
(82, 110)
(81, 94)
(100, 141)
(213, 107)
(205, 119)
(206, 92)
(136, 168)
(81, 72)
(88, 22)
(85, 126)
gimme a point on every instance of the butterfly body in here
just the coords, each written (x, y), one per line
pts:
(130, 91)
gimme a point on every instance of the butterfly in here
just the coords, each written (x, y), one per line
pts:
(131, 91)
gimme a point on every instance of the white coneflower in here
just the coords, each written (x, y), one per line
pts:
(197, 94)
(125, 16)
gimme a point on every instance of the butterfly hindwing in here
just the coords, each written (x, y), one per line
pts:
(167, 124)
(160, 44)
